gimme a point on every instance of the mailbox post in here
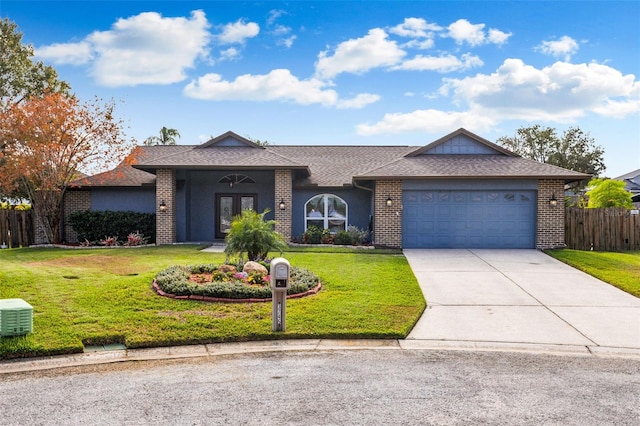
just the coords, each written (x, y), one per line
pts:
(280, 282)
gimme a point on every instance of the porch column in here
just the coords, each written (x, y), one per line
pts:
(165, 216)
(550, 219)
(388, 219)
(283, 192)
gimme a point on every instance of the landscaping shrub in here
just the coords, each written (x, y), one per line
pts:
(250, 233)
(343, 238)
(313, 235)
(94, 226)
(358, 236)
(233, 285)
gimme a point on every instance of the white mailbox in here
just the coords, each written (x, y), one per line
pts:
(280, 282)
(280, 274)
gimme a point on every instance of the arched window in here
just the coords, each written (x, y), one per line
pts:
(326, 211)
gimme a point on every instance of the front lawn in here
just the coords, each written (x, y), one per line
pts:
(619, 269)
(99, 296)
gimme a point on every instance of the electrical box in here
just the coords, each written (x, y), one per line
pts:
(16, 317)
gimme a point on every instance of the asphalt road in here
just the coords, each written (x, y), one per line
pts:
(353, 387)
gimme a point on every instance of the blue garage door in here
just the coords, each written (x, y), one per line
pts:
(469, 219)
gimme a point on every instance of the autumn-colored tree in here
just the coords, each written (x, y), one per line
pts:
(47, 141)
(20, 79)
(167, 137)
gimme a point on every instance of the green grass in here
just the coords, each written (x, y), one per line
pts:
(621, 270)
(84, 297)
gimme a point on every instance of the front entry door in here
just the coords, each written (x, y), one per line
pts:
(230, 205)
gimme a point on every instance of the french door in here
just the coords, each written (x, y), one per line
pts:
(230, 205)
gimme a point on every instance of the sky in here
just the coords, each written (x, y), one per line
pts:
(350, 72)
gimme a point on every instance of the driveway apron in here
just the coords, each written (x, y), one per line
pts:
(519, 297)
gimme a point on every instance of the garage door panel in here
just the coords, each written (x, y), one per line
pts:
(469, 219)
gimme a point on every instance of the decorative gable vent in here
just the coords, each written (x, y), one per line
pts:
(235, 179)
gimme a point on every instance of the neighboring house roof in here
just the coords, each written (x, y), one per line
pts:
(632, 180)
(461, 154)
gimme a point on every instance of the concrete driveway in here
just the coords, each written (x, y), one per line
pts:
(519, 297)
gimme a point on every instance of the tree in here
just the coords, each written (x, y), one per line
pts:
(250, 233)
(167, 137)
(608, 193)
(20, 77)
(575, 150)
(48, 140)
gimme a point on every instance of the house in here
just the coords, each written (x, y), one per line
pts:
(632, 184)
(460, 191)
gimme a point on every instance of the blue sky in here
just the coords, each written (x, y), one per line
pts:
(351, 73)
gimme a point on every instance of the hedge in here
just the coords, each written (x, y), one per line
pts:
(94, 226)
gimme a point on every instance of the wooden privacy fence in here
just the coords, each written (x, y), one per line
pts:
(16, 228)
(610, 229)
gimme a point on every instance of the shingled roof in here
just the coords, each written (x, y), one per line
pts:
(331, 165)
(469, 167)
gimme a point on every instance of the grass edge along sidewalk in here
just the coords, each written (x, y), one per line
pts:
(620, 269)
(97, 297)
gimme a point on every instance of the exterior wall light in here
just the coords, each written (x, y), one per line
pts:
(163, 206)
(553, 201)
(282, 205)
(389, 201)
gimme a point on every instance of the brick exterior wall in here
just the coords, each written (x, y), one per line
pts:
(74, 201)
(550, 221)
(388, 220)
(283, 191)
(166, 220)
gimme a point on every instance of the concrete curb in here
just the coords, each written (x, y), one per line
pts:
(239, 348)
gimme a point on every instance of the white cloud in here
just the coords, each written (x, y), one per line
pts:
(280, 30)
(274, 15)
(463, 31)
(238, 32)
(143, 49)
(66, 53)
(360, 101)
(561, 92)
(428, 121)
(443, 63)
(287, 42)
(415, 28)
(359, 55)
(564, 48)
(278, 85)
(424, 44)
(497, 36)
(229, 54)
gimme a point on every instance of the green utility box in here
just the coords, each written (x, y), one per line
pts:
(16, 317)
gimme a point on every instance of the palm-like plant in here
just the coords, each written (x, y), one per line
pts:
(167, 137)
(250, 233)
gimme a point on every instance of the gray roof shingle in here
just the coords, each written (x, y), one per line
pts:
(328, 165)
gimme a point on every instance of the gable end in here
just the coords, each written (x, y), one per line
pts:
(229, 139)
(462, 142)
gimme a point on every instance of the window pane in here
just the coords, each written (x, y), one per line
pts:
(246, 203)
